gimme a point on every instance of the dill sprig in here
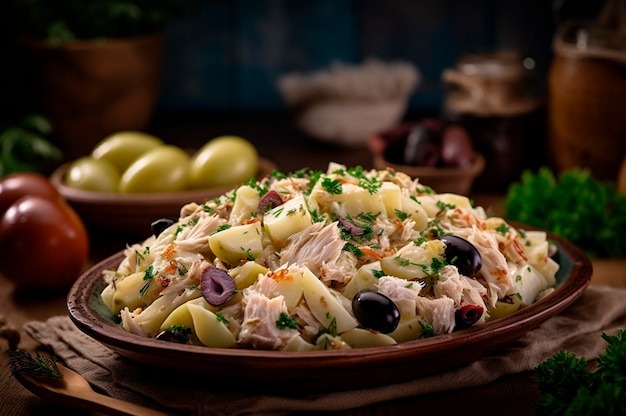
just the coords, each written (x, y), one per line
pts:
(24, 363)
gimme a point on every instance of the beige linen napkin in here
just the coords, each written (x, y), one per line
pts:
(577, 329)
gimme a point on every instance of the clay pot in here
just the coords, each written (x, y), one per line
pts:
(91, 88)
(587, 87)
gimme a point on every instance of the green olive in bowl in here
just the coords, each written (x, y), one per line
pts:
(222, 161)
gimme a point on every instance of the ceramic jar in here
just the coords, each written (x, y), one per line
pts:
(587, 99)
(495, 97)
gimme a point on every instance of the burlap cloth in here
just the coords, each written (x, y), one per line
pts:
(577, 329)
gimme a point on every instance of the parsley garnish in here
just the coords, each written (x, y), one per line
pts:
(427, 330)
(402, 215)
(378, 273)
(568, 385)
(502, 229)
(220, 317)
(443, 205)
(221, 228)
(332, 186)
(207, 208)
(149, 273)
(351, 248)
(332, 327)
(286, 322)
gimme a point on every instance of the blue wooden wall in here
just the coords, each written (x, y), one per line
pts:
(229, 54)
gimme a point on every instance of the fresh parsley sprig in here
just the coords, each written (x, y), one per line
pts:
(569, 386)
(574, 206)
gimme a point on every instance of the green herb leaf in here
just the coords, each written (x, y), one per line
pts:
(22, 362)
(569, 386)
(574, 206)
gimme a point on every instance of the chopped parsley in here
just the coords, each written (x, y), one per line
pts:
(220, 317)
(149, 273)
(402, 215)
(286, 322)
(502, 229)
(332, 186)
(148, 276)
(443, 205)
(221, 228)
(351, 248)
(378, 273)
(427, 330)
(332, 327)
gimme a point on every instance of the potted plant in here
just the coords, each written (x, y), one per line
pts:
(94, 67)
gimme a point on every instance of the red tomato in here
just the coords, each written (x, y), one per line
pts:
(16, 185)
(43, 242)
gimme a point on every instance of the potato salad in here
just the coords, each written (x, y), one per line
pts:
(314, 260)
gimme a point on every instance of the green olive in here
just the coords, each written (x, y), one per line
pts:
(223, 161)
(123, 147)
(91, 174)
(162, 169)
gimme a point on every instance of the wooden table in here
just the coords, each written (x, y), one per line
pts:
(291, 152)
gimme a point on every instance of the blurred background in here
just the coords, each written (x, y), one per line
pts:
(228, 55)
(224, 55)
(216, 60)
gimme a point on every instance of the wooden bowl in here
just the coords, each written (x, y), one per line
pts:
(457, 180)
(323, 371)
(132, 214)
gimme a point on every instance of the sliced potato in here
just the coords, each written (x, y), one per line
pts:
(237, 243)
(413, 262)
(326, 308)
(364, 279)
(246, 204)
(246, 274)
(407, 329)
(289, 284)
(182, 316)
(363, 338)
(287, 219)
(134, 292)
(209, 329)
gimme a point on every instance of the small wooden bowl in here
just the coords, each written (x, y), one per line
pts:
(457, 180)
(132, 214)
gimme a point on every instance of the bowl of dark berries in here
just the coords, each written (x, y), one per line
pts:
(440, 156)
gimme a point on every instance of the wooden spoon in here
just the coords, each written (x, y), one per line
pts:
(74, 391)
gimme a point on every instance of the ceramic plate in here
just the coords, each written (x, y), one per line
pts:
(326, 370)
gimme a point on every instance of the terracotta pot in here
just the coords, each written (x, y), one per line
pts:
(92, 88)
(587, 86)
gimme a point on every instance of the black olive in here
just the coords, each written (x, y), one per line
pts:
(421, 147)
(217, 286)
(456, 147)
(176, 334)
(467, 315)
(462, 254)
(161, 225)
(375, 311)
